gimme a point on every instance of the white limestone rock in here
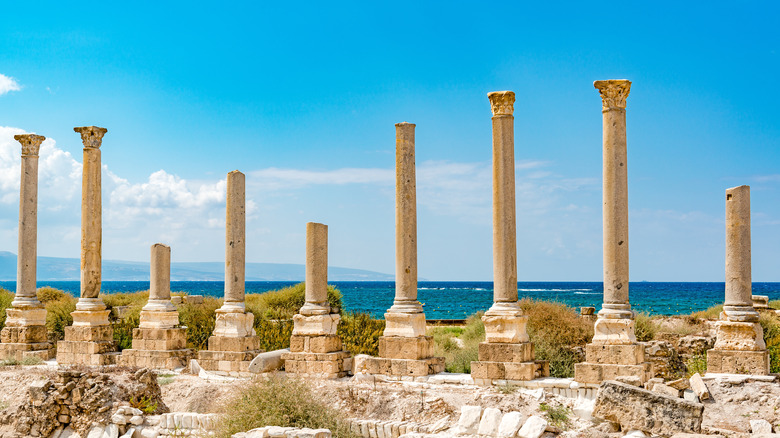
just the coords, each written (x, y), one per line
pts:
(490, 421)
(760, 427)
(533, 427)
(468, 423)
(510, 424)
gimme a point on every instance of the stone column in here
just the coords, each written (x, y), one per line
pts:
(24, 334)
(405, 317)
(26, 297)
(504, 321)
(614, 352)
(316, 270)
(91, 221)
(235, 246)
(739, 345)
(159, 311)
(234, 342)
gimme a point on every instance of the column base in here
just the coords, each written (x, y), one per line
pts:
(88, 345)
(738, 362)
(90, 318)
(402, 367)
(21, 342)
(410, 325)
(315, 325)
(506, 328)
(400, 347)
(25, 317)
(608, 362)
(231, 354)
(155, 319)
(739, 336)
(158, 348)
(613, 331)
(507, 361)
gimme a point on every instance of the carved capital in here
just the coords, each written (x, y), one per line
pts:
(613, 93)
(91, 136)
(31, 144)
(502, 102)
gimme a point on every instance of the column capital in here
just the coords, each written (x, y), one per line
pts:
(502, 102)
(613, 93)
(91, 136)
(404, 125)
(31, 143)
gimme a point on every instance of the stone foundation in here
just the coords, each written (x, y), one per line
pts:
(24, 341)
(87, 345)
(233, 345)
(508, 361)
(322, 365)
(738, 362)
(608, 362)
(402, 367)
(158, 348)
(398, 347)
(315, 348)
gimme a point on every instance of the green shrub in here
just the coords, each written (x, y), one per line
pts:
(697, 364)
(132, 299)
(771, 325)
(5, 302)
(644, 327)
(123, 328)
(459, 345)
(48, 294)
(58, 315)
(274, 334)
(279, 402)
(284, 303)
(360, 333)
(558, 416)
(199, 321)
(774, 304)
(711, 313)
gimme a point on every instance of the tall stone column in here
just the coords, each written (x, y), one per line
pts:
(739, 346)
(614, 352)
(315, 347)
(507, 353)
(405, 318)
(158, 342)
(234, 342)
(24, 333)
(90, 340)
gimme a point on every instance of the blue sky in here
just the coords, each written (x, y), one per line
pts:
(303, 97)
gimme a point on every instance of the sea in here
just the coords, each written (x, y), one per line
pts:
(459, 299)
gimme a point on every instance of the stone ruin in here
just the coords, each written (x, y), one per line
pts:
(405, 351)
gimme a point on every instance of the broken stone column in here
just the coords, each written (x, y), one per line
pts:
(158, 342)
(614, 351)
(507, 353)
(739, 345)
(24, 334)
(404, 348)
(315, 348)
(234, 342)
(90, 340)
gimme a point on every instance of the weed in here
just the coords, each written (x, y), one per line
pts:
(506, 388)
(31, 360)
(558, 416)
(697, 364)
(360, 333)
(9, 362)
(145, 404)
(644, 327)
(164, 380)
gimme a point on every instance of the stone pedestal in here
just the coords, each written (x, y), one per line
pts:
(232, 346)
(25, 335)
(315, 348)
(507, 353)
(739, 349)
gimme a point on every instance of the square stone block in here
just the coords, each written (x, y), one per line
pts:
(156, 359)
(494, 352)
(159, 319)
(410, 325)
(25, 317)
(159, 339)
(89, 333)
(397, 347)
(315, 344)
(738, 362)
(247, 343)
(596, 373)
(611, 331)
(20, 351)
(508, 329)
(484, 370)
(315, 325)
(90, 318)
(24, 334)
(739, 336)
(615, 354)
(404, 367)
(520, 371)
(234, 324)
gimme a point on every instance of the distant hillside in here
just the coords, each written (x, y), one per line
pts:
(67, 269)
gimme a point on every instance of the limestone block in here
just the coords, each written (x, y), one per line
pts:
(499, 352)
(596, 373)
(587, 311)
(488, 424)
(760, 427)
(680, 384)
(760, 301)
(505, 328)
(631, 354)
(410, 325)
(743, 336)
(315, 344)
(240, 344)
(699, 387)
(90, 318)
(151, 319)
(510, 424)
(268, 361)
(398, 347)
(738, 362)
(636, 408)
(662, 388)
(234, 324)
(26, 334)
(316, 325)
(509, 371)
(533, 427)
(89, 333)
(614, 331)
(193, 299)
(25, 317)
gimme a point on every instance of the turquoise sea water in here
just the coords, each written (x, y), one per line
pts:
(457, 300)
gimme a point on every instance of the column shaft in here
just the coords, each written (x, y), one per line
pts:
(160, 284)
(738, 304)
(316, 270)
(504, 228)
(405, 222)
(235, 245)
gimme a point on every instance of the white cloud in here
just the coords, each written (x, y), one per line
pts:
(8, 84)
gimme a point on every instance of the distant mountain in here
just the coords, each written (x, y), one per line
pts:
(67, 269)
